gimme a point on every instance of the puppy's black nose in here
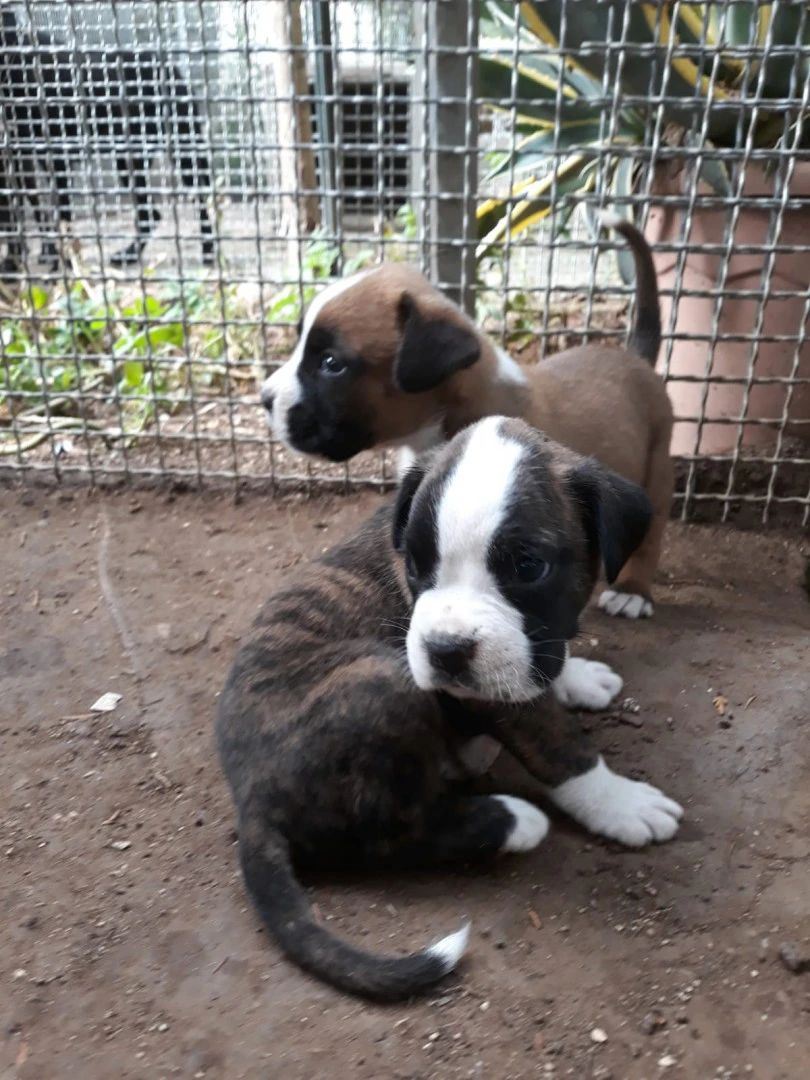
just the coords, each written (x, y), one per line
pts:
(450, 655)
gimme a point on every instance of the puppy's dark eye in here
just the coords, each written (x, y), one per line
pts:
(331, 365)
(530, 570)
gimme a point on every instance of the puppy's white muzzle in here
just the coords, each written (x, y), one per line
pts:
(280, 392)
(469, 645)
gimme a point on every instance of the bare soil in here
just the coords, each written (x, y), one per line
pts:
(127, 945)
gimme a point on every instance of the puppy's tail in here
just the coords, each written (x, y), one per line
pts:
(645, 337)
(282, 905)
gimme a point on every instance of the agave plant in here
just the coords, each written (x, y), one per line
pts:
(688, 53)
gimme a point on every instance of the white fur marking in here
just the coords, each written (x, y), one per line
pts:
(405, 459)
(628, 605)
(465, 600)
(284, 383)
(451, 948)
(586, 684)
(626, 810)
(424, 439)
(609, 219)
(508, 369)
(531, 825)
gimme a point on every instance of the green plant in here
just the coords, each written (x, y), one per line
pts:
(321, 254)
(133, 349)
(557, 163)
(86, 356)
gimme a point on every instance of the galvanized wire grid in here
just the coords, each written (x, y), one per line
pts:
(321, 136)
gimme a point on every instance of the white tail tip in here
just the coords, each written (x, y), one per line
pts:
(451, 948)
(609, 219)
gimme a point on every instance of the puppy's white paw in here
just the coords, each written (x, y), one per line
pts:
(631, 812)
(628, 605)
(479, 754)
(530, 826)
(586, 684)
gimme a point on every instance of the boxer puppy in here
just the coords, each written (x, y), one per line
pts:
(344, 721)
(384, 359)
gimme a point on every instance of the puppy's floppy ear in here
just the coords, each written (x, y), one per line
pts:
(616, 514)
(408, 487)
(433, 347)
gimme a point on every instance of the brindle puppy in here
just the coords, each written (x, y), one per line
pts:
(349, 707)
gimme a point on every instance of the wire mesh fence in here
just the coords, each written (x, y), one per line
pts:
(178, 178)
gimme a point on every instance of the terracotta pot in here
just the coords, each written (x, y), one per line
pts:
(701, 271)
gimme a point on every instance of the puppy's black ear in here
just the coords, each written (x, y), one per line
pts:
(616, 514)
(408, 487)
(432, 349)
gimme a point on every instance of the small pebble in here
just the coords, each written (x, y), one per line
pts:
(667, 1061)
(795, 957)
(651, 1023)
(598, 1036)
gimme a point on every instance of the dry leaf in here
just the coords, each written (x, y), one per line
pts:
(721, 704)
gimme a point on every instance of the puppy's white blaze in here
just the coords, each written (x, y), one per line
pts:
(451, 948)
(473, 503)
(284, 384)
(465, 600)
(632, 812)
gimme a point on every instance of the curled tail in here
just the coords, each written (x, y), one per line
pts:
(283, 906)
(645, 336)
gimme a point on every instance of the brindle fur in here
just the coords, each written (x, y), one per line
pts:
(335, 758)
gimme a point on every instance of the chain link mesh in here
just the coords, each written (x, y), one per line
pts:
(178, 178)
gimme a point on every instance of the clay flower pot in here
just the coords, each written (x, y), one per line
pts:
(727, 402)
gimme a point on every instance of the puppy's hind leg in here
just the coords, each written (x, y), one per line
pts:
(631, 595)
(478, 828)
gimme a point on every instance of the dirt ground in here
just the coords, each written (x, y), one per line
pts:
(127, 945)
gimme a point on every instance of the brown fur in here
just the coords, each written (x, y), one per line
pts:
(602, 401)
(370, 326)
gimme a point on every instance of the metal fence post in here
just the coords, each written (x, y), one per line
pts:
(325, 107)
(452, 144)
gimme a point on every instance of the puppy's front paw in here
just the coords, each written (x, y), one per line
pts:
(586, 684)
(628, 605)
(626, 810)
(529, 827)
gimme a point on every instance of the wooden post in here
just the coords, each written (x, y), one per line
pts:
(453, 139)
(299, 200)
